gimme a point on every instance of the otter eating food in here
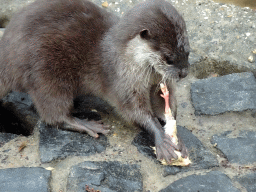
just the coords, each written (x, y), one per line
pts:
(58, 49)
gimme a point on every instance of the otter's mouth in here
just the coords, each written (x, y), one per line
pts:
(174, 74)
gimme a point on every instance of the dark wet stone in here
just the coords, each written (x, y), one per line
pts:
(248, 181)
(234, 92)
(6, 137)
(143, 141)
(237, 150)
(212, 181)
(201, 157)
(25, 179)
(105, 177)
(21, 100)
(84, 102)
(20, 109)
(58, 144)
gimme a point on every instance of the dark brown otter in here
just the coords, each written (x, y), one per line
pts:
(58, 49)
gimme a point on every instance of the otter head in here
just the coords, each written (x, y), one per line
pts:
(155, 35)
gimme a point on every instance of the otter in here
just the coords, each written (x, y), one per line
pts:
(56, 50)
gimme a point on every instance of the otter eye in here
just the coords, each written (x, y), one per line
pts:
(145, 34)
(169, 61)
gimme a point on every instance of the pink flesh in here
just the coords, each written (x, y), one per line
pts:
(165, 95)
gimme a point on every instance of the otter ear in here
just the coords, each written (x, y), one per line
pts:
(145, 34)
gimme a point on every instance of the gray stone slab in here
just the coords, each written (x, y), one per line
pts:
(57, 144)
(25, 179)
(22, 101)
(212, 181)
(241, 149)
(234, 92)
(6, 137)
(248, 181)
(200, 156)
(105, 177)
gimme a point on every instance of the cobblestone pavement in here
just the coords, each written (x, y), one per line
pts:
(216, 120)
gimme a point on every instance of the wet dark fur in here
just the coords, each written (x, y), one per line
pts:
(58, 49)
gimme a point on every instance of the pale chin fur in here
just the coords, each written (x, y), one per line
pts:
(142, 55)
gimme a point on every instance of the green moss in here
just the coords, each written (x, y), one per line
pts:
(208, 67)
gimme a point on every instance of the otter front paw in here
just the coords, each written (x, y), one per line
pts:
(165, 150)
(170, 154)
(183, 149)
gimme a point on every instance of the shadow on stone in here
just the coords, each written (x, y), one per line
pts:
(91, 103)
(17, 113)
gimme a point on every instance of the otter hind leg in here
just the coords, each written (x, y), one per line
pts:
(54, 110)
(91, 127)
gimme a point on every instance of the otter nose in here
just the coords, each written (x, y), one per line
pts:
(183, 73)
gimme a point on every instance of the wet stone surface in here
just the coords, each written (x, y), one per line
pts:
(105, 177)
(234, 92)
(212, 181)
(58, 144)
(237, 150)
(25, 179)
(200, 156)
(144, 143)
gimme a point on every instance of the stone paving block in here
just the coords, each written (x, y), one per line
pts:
(22, 101)
(6, 137)
(212, 181)
(58, 144)
(25, 179)
(105, 177)
(248, 181)
(241, 149)
(200, 156)
(234, 92)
